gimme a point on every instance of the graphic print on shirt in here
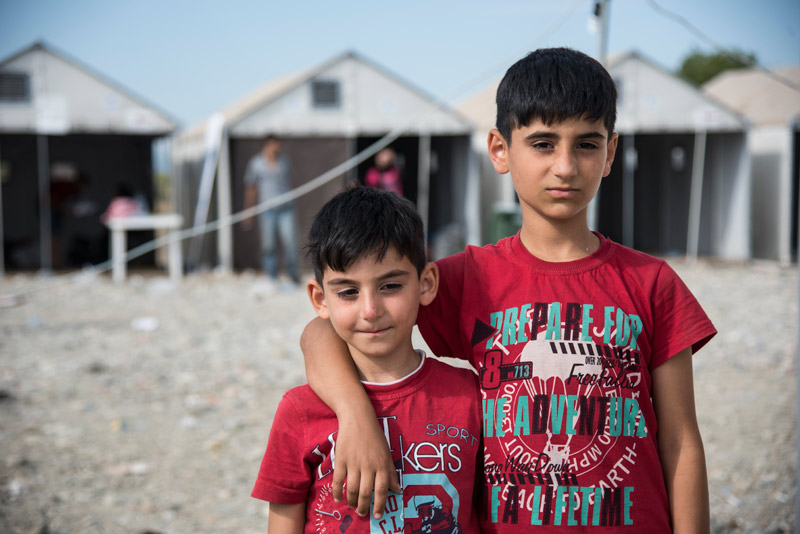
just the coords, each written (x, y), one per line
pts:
(560, 386)
(429, 502)
(432, 504)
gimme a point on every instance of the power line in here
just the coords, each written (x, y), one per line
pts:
(683, 21)
(501, 66)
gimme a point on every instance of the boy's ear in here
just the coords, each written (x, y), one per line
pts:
(498, 151)
(428, 284)
(317, 297)
(611, 150)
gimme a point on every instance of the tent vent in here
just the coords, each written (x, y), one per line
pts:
(15, 87)
(326, 93)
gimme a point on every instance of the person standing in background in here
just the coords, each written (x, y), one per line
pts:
(268, 175)
(385, 174)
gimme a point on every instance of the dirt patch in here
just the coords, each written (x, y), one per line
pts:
(145, 408)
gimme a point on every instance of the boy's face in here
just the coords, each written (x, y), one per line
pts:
(373, 305)
(556, 169)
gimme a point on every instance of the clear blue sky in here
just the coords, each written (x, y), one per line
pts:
(191, 58)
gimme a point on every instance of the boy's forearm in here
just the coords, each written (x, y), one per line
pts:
(331, 373)
(680, 446)
(287, 518)
(362, 453)
(687, 486)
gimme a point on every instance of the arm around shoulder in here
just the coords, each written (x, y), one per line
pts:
(362, 454)
(331, 372)
(680, 444)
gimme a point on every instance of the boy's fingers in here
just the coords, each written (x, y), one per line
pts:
(381, 493)
(364, 494)
(339, 476)
(353, 481)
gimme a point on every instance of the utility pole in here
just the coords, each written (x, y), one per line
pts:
(601, 16)
(797, 259)
(601, 13)
(2, 238)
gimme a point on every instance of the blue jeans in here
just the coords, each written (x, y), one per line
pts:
(279, 223)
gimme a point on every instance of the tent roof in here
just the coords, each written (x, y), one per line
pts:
(481, 108)
(653, 100)
(248, 103)
(762, 97)
(66, 96)
(281, 105)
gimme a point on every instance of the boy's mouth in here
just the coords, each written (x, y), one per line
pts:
(562, 192)
(374, 332)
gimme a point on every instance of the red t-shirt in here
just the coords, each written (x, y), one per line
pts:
(565, 353)
(431, 420)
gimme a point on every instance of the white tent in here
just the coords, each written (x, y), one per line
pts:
(771, 102)
(681, 182)
(60, 119)
(325, 116)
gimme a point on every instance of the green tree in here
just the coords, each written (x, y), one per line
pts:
(698, 67)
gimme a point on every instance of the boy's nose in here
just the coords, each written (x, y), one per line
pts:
(564, 165)
(370, 307)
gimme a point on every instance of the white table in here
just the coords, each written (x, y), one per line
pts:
(119, 227)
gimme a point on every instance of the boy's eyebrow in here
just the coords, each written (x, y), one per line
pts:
(347, 281)
(552, 135)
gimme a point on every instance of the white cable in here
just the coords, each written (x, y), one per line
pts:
(322, 179)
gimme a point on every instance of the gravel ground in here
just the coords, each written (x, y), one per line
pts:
(145, 408)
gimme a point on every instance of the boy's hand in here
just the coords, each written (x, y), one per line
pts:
(364, 461)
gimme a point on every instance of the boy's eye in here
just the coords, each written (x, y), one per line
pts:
(392, 286)
(347, 293)
(542, 145)
(587, 146)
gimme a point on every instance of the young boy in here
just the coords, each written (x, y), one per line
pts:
(583, 346)
(368, 251)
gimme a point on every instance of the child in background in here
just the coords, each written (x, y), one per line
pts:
(385, 174)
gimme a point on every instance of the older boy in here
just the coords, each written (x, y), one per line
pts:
(368, 252)
(583, 346)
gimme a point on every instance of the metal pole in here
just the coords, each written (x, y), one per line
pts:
(213, 139)
(696, 198)
(224, 208)
(601, 12)
(2, 235)
(351, 148)
(472, 201)
(602, 6)
(45, 228)
(119, 245)
(628, 183)
(796, 134)
(424, 178)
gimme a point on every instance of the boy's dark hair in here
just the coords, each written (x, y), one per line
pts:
(553, 85)
(362, 221)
